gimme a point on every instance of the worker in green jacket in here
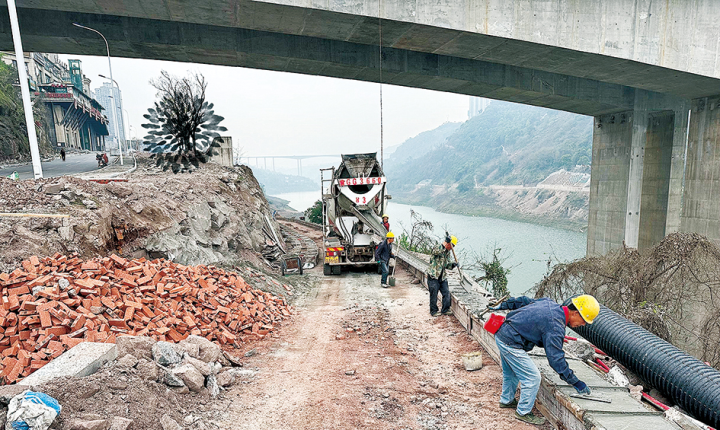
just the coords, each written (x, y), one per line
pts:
(441, 261)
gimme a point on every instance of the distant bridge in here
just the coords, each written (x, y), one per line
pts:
(299, 159)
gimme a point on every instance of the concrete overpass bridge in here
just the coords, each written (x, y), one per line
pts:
(649, 72)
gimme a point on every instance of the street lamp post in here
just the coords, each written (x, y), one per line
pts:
(114, 119)
(24, 90)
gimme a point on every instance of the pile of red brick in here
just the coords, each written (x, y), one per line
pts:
(51, 305)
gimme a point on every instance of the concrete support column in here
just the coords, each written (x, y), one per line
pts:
(701, 200)
(637, 174)
(610, 170)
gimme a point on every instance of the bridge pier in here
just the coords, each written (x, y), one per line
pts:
(637, 174)
(701, 202)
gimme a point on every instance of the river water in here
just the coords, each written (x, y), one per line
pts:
(526, 246)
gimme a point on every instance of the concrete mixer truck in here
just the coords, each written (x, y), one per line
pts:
(354, 197)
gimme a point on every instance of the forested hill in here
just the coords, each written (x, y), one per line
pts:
(509, 144)
(418, 146)
(278, 183)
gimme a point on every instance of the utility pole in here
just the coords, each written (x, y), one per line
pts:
(24, 90)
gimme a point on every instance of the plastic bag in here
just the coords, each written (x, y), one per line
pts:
(31, 411)
(14, 176)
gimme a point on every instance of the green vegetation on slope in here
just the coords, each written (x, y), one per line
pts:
(507, 144)
(14, 142)
(418, 146)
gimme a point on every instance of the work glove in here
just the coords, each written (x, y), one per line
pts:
(494, 308)
(582, 388)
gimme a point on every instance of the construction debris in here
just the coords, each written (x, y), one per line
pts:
(213, 216)
(50, 305)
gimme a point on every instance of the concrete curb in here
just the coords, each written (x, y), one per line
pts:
(553, 399)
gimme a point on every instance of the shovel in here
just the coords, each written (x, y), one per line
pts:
(391, 278)
(462, 277)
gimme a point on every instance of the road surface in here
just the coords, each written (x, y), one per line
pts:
(79, 163)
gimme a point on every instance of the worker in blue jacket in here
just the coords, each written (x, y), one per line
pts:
(383, 254)
(538, 322)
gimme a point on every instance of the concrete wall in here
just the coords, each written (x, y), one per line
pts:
(609, 177)
(223, 154)
(701, 202)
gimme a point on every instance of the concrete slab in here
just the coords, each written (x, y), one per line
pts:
(582, 371)
(622, 402)
(82, 360)
(629, 421)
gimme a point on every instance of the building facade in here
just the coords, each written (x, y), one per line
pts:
(76, 119)
(109, 97)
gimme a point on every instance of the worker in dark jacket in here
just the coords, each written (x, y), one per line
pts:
(383, 254)
(538, 322)
(440, 262)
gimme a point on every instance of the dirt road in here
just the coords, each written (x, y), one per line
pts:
(359, 356)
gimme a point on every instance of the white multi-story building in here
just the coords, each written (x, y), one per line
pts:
(109, 97)
(477, 106)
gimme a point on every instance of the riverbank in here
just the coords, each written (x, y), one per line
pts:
(567, 210)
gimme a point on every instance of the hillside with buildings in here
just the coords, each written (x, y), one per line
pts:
(508, 160)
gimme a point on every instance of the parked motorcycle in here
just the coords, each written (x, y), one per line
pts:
(102, 160)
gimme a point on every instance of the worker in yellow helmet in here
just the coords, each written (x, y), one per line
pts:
(538, 322)
(440, 261)
(383, 254)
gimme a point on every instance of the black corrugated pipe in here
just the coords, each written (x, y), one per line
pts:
(690, 383)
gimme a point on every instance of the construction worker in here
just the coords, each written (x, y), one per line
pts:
(538, 322)
(437, 278)
(383, 254)
(385, 222)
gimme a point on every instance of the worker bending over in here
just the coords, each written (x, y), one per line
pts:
(437, 277)
(383, 254)
(538, 322)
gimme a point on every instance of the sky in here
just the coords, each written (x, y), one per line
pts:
(276, 113)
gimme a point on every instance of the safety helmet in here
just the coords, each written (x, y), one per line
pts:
(390, 235)
(385, 216)
(588, 307)
(453, 239)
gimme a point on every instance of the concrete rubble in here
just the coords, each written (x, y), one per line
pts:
(213, 215)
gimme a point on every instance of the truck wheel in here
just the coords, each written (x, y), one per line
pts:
(336, 270)
(327, 270)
